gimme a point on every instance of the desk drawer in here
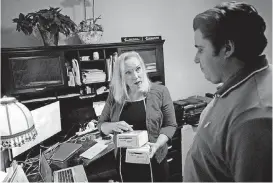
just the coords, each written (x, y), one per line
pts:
(174, 160)
(175, 145)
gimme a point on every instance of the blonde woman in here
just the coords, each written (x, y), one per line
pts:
(134, 103)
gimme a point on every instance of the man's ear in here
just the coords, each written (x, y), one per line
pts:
(229, 49)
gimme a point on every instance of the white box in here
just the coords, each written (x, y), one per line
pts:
(138, 155)
(132, 139)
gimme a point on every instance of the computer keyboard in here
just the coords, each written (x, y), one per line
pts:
(65, 176)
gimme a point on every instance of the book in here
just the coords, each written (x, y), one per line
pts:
(109, 68)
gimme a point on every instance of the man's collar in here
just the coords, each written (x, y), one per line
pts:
(242, 76)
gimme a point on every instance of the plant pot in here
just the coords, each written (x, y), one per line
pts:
(48, 38)
(91, 37)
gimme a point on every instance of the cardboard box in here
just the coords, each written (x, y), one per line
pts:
(138, 155)
(133, 139)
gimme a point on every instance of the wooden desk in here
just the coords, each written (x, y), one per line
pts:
(101, 168)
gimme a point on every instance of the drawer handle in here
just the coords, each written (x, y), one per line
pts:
(169, 160)
(169, 147)
(39, 89)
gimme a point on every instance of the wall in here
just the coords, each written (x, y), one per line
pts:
(170, 19)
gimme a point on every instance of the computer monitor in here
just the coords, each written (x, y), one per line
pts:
(47, 120)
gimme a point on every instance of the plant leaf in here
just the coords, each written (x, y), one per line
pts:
(47, 19)
(53, 28)
(21, 16)
(15, 20)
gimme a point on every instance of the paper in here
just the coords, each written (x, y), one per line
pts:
(98, 107)
(93, 151)
(2, 176)
(15, 174)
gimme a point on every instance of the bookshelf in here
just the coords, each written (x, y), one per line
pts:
(82, 74)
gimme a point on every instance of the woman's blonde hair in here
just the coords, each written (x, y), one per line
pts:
(118, 85)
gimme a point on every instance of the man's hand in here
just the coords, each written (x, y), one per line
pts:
(153, 148)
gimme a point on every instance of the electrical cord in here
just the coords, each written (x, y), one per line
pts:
(70, 130)
(151, 170)
(150, 164)
(69, 139)
(31, 172)
(31, 163)
(120, 165)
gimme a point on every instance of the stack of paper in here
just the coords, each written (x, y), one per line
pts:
(93, 76)
(93, 151)
(150, 67)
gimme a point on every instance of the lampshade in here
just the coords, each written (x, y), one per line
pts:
(16, 123)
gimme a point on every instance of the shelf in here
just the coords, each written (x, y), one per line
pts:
(88, 61)
(69, 95)
(84, 96)
(153, 74)
(152, 51)
(38, 100)
(97, 82)
(87, 96)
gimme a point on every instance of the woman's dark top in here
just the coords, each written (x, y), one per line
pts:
(134, 114)
(160, 115)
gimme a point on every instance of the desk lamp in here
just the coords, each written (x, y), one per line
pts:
(16, 127)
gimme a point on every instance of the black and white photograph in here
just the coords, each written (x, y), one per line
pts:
(136, 91)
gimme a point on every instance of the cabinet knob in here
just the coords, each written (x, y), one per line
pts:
(39, 89)
(169, 160)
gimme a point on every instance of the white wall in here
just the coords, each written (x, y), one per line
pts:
(170, 19)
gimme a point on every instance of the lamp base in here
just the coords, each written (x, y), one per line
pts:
(6, 159)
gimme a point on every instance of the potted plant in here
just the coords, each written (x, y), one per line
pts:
(48, 22)
(89, 31)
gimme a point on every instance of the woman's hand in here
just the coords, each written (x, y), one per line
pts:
(161, 140)
(153, 148)
(119, 127)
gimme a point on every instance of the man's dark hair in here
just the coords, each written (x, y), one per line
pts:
(237, 22)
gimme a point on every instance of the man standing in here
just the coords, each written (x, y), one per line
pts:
(234, 138)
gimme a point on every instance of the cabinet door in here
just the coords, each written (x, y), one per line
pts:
(174, 161)
(34, 71)
(152, 56)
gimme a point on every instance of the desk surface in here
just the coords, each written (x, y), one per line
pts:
(96, 169)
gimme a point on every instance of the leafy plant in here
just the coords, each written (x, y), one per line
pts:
(49, 20)
(90, 25)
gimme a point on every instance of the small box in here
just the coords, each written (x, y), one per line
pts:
(133, 139)
(138, 155)
(150, 38)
